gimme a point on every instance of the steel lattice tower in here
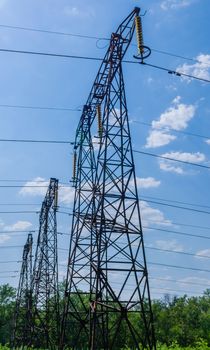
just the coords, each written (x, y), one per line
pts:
(107, 298)
(22, 319)
(45, 332)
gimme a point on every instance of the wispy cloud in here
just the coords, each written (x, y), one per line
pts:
(169, 166)
(74, 11)
(147, 182)
(158, 138)
(202, 254)
(175, 118)
(38, 187)
(174, 4)
(169, 245)
(4, 238)
(152, 215)
(200, 69)
(19, 225)
(66, 195)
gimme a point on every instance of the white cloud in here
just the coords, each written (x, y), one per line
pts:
(176, 117)
(149, 214)
(147, 182)
(169, 245)
(201, 254)
(73, 11)
(36, 187)
(4, 238)
(208, 142)
(167, 165)
(66, 195)
(174, 4)
(19, 225)
(200, 69)
(193, 279)
(158, 138)
(186, 156)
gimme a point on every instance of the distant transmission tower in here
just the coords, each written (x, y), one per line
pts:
(22, 319)
(45, 332)
(107, 298)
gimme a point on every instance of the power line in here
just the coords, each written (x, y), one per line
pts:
(9, 261)
(171, 159)
(37, 141)
(174, 290)
(180, 281)
(50, 54)
(161, 264)
(175, 232)
(177, 131)
(41, 108)
(178, 252)
(20, 212)
(8, 271)
(47, 31)
(179, 202)
(174, 72)
(32, 186)
(176, 206)
(178, 267)
(10, 246)
(52, 32)
(169, 205)
(9, 276)
(179, 224)
(18, 231)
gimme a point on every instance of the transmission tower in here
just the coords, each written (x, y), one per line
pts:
(107, 298)
(22, 318)
(45, 332)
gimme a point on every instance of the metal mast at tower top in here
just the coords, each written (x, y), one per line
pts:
(107, 298)
(22, 318)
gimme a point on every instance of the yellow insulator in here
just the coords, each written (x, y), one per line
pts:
(139, 34)
(99, 115)
(74, 165)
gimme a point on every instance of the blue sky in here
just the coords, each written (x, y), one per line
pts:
(172, 105)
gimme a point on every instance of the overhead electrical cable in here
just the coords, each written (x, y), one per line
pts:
(47, 31)
(171, 129)
(178, 267)
(175, 201)
(162, 264)
(180, 281)
(175, 232)
(178, 252)
(50, 54)
(37, 141)
(41, 108)
(171, 159)
(176, 206)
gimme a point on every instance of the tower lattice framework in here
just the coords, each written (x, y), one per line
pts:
(45, 333)
(23, 307)
(107, 298)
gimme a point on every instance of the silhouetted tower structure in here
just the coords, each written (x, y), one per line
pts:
(107, 298)
(45, 332)
(22, 318)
